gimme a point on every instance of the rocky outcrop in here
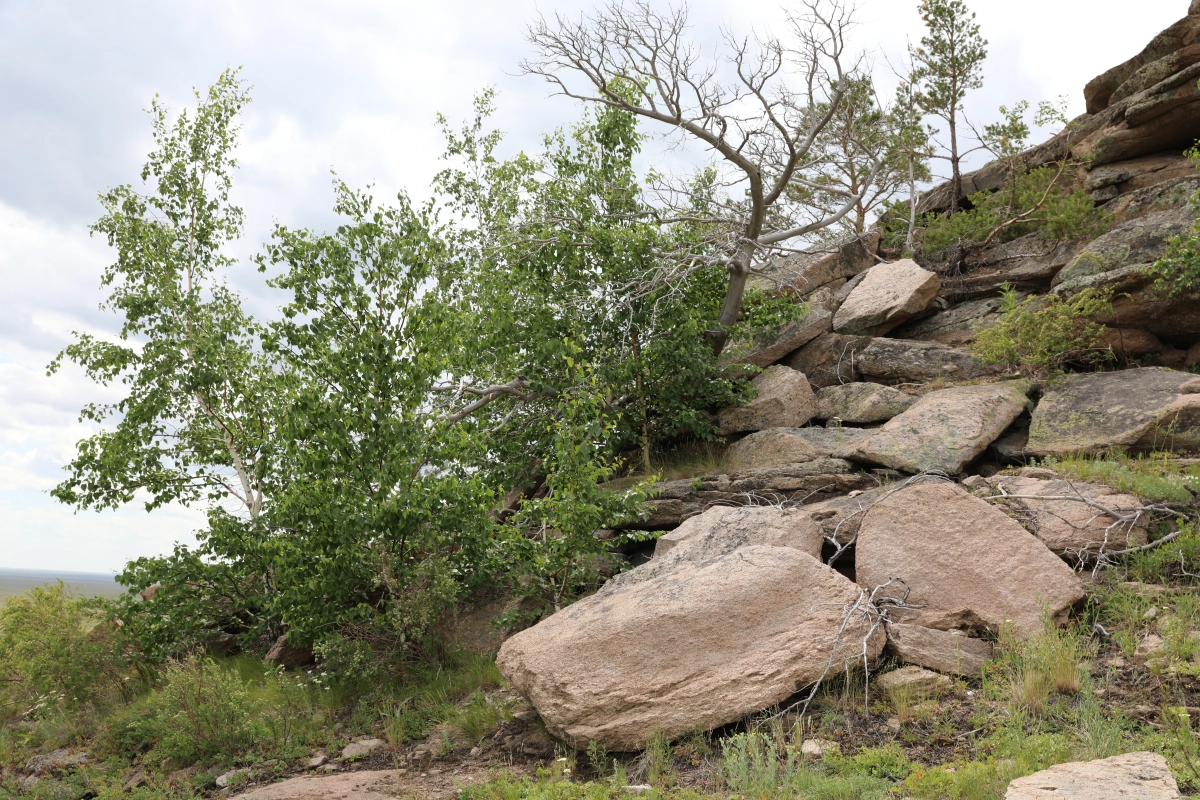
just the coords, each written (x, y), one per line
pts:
(1139, 409)
(785, 400)
(861, 403)
(776, 447)
(829, 359)
(1061, 513)
(963, 561)
(723, 529)
(790, 337)
(945, 651)
(690, 650)
(944, 431)
(888, 295)
(905, 361)
(676, 501)
(956, 326)
(840, 517)
(1144, 776)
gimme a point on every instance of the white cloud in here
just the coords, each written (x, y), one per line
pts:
(349, 86)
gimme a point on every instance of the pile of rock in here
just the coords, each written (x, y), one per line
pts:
(861, 509)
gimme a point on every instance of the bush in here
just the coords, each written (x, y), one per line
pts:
(1044, 333)
(59, 650)
(1064, 213)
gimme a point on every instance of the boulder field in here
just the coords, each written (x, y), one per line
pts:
(878, 495)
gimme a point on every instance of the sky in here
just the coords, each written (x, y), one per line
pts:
(352, 86)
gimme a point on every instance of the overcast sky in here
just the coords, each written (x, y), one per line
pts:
(354, 86)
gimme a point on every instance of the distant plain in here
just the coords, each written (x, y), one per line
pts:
(86, 584)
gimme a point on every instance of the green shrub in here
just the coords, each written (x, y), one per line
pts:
(1178, 270)
(59, 651)
(1045, 333)
(1065, 213)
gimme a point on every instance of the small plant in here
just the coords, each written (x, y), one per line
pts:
(660, 766)
(1042, 334)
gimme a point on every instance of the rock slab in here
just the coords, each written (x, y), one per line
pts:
(1133, 776)
(945, 651)
(775, 447)
(1138, 409)
(688, 651)
(889, 295)
(785, 400)
(963, 560)
(1071, 528)
(944, 431)
(862, 403)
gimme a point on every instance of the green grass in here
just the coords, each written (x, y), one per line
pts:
(1154, 477)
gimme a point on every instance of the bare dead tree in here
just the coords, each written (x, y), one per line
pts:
(761, 104)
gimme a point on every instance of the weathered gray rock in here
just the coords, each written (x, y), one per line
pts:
(723, 529)
(790, 337)
(1133, 776)
(962, 560)
(945, 651)
(920, 682)
(1138, 409)
(361, 748)
(57, 761)
(691, 650)
(1071, 528)
(862, 403)
(287, 655)
(955, 327)
(945, 430)
(829, 359)
(676, 501)
(776, 447)
(1028, 264)
(888, 295)
(785, 400)
(905, 361)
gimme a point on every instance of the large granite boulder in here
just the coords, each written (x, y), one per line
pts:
(1136, 409)
(723, 529)
(676, 501)
(785, 400)
(776, 447)
(1071, 528)
(944, 431)
(862, 403)
(905, 361)
(829, 359)
(691, 650)
(888, 295)
(944, 651)
(777, 344)
(1136, 776)
(962, 560)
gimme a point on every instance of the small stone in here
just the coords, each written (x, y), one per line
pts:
(639, 788)
(893, 723)
(1117, 663)
(360, 748)
(1040, 473)
(1150, 646)
(915, 679)
(817, 748)
(525, 715)
(330, 767)
(319, 760)
(1151, 613)
(135, 780)
(232, 778)
(475, 751)
(1100, 692)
